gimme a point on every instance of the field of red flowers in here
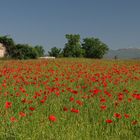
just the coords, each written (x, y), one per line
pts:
(74, 99)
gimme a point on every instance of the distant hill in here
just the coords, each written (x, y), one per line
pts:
(125, 53)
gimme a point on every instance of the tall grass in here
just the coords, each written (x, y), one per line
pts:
(89, 99)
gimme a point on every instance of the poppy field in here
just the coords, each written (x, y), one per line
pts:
(73, 99)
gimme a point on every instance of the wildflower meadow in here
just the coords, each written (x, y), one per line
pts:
(73, 99)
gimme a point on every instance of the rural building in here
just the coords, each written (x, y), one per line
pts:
(47, 57)
(2, 50)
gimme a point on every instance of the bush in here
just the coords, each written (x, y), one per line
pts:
(24, 51)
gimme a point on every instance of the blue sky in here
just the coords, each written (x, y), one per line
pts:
(45, 22)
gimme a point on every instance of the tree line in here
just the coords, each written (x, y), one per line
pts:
(20, 51)
(90, 47)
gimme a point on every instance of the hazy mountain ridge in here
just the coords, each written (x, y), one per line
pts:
(124, 53)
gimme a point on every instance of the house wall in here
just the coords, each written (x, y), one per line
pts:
(2, 50)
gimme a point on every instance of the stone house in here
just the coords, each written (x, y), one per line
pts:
(2, 50)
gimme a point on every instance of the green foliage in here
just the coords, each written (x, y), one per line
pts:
(91, 47)
(56, 52)
(8, 42)
(24, 51)
(94, 48)
(40, 51)
(20, 51)
(73, 47)
(26, 83)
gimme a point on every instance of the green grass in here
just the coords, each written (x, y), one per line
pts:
(56, 81)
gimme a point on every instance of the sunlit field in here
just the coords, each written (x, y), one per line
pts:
(70, 99)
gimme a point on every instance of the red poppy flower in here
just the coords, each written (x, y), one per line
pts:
(31, 108)
(136, 96)
(8, 104)
(120, 96)
(42, 101)
(126, 115)
(71, 99)
(103, 100)
(109, 121)
(13, 119)
(22, 114)
(74, 110)
(96, 91)
(75, 92)
(57, 93)
(52, 118)
(103, 107)
(79, 102)
(129, 99)
(65, 108)
(117, 115)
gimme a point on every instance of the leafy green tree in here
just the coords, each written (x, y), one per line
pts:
(56, 52)
(24, 51)
(73, 46)
(94, 48)
(9, 43)
(40, 51)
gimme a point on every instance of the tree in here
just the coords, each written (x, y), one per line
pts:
(40, 51)
(55, 52)
(23, 51)
(94, 48)
(73, 47)
(8, 43)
